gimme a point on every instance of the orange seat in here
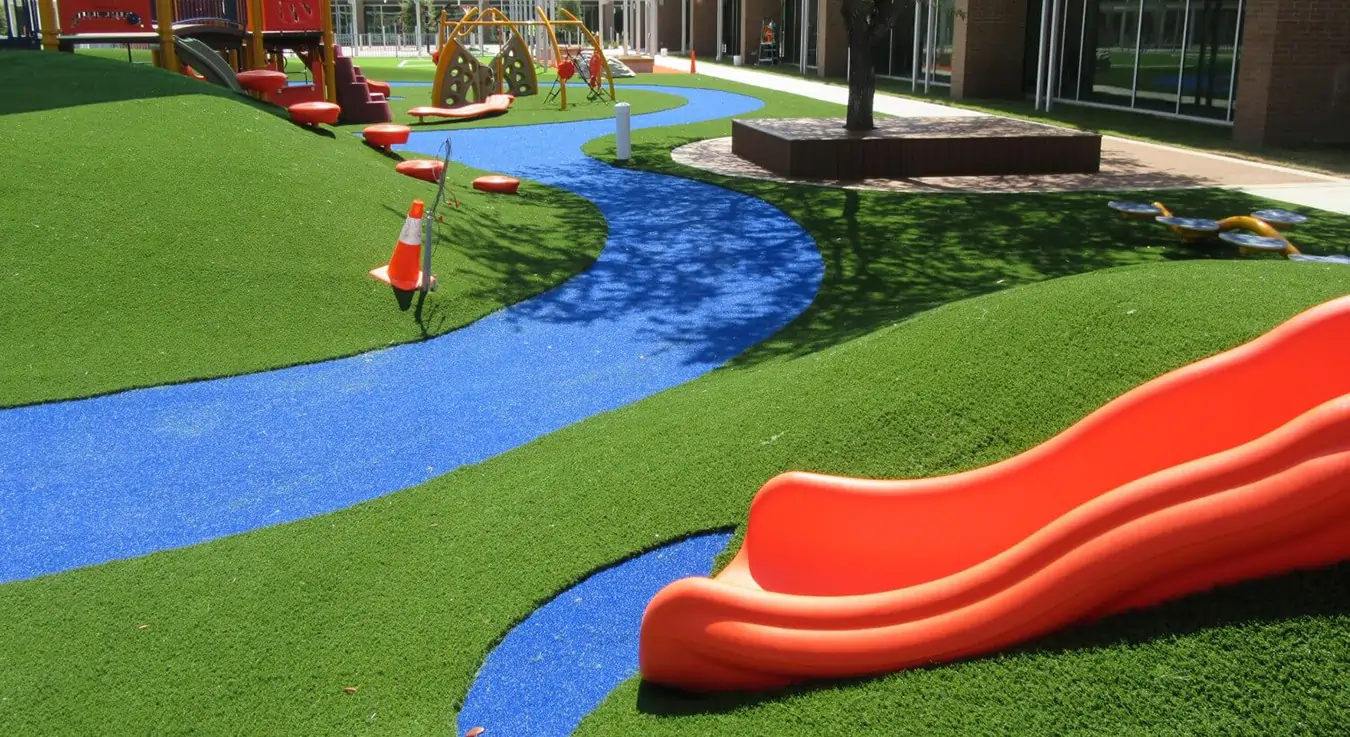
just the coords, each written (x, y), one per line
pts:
(428, 170)
(313, 113)
(498, 183)
(261, 80)
(380, 87)
(494, 104)
(385, 135)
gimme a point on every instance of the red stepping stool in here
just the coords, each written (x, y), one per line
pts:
(267, 81)
(380, 87)
(314, 113)
(498, 183)
(385, 135)
(428, 170)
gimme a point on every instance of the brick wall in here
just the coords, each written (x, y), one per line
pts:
(989, 48)
(1294, 73)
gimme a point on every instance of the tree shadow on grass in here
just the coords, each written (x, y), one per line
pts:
(1322, 592)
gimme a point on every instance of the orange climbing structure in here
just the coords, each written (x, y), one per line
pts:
(1231, 468)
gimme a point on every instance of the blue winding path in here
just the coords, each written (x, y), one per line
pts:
(692, 275)
(559, 663)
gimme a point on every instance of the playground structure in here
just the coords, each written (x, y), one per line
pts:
(233, 43)
(1260, 232)
(461, 78)
(1187, 482)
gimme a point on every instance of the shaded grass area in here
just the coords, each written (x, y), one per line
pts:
(164, 229)
(403, 596)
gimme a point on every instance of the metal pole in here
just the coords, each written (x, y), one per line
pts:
(805, 21)
(1181, 68)
(914, 63)
(931, 56)
(1082, 49)
(1138, 39)
(684, 26)
(719, 30)
(1232, 74)
(1040, 56)
(1054, 47)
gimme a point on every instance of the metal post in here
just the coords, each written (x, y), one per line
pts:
(931, 57)
(719, 30)
(914, 63)
(1082, 47)
(47, 24)
(1054, 47)
(623, 146)
(805, 23)
(684, 26)
(1232, 74)
(1181, 68)
(1138, 39)
(1040, 56)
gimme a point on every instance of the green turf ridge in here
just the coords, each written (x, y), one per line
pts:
(403, 596)
(159, 229)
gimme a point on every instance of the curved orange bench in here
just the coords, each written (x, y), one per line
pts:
(262, 80)
(428, 170)
(314, 113)
(380, 87)
(498, 183)
(492, 105)
(1205, 476)
(385, 135)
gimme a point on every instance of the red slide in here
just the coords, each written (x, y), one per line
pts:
(1231, 468)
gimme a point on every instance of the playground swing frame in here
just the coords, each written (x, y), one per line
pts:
(493, 18)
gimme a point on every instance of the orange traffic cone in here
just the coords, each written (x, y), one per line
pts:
(693, 58)
(404, 270)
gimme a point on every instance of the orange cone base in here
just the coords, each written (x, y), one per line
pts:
(382, 273)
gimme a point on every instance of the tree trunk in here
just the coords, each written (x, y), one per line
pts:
(862, 81)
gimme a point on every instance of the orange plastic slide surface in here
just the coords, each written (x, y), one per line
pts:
(492, 105)
(1234, 467)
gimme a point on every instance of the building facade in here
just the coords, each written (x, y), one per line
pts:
(1276, 71)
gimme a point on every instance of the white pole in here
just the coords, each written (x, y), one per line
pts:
(1232, 74)
(1040, 55)
(623, 145)
(1181, 68)
(417, 30)
(914, 63)
(1054, 47)
(684, 26)
(719, 30)
(1138, 39)
(931, 56)
(801, 50)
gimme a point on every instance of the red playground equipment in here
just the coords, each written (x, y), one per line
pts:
(241, 44)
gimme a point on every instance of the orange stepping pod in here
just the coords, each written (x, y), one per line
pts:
(404, 270)
(262, 80)
(428, 170)
(498, 183)
(385, 135)
(314, 113)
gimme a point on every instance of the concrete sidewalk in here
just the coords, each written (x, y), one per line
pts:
(1283, 183)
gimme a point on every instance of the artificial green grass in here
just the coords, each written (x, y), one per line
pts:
(402, 596)
(159, 229)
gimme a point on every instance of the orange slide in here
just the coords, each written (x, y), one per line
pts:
(491, 105)
(1234, 467)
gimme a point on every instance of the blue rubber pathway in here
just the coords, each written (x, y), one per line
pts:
(557, 665)
(692, 275)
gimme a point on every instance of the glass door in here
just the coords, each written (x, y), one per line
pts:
(731, 27)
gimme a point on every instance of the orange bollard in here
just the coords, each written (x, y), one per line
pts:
(403, 270)
(693, 58)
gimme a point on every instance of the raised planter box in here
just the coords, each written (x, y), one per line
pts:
(901, 148)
